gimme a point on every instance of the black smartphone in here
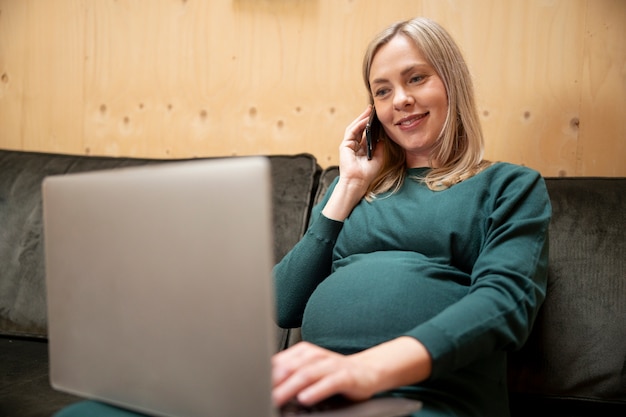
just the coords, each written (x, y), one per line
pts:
(372, 132)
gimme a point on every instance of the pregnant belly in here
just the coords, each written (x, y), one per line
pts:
(376, 297)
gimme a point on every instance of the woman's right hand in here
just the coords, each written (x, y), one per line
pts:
(356, 172)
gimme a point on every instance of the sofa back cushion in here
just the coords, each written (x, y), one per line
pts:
(294, 181)
(577, 349)
(22, 268)
(22, 276)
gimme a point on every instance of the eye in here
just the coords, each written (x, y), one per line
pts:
(416, 79)
(381, 92)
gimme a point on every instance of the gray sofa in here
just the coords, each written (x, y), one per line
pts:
(574, 363)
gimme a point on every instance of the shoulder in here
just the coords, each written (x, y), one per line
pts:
(503, 181)
(511, 184)
(509, 170)
(503, 175)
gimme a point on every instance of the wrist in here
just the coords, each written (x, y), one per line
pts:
(346, 195)
(399, 362)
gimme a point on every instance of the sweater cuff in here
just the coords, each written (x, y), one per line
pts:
(325, 229)
(438, 344)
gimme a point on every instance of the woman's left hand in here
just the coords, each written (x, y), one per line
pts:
(312, 374)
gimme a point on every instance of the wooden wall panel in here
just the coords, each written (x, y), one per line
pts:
(42, 70)
(184, 78)
(526, 59)
(12, 70)
(602, 148)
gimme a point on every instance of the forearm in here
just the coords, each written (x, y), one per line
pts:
(345, 196)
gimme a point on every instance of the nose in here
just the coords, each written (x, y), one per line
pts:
(402, 99)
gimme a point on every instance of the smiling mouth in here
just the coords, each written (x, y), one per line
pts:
(407, 121)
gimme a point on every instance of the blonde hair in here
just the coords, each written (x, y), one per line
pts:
(460, 146)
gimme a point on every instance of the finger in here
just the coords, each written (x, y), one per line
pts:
(324, 387)
(339, 380)
(301, 350)
(305, 377)
(286, 362)
(355, 130)
(303, 366)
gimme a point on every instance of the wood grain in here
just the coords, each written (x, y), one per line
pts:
(191, 78)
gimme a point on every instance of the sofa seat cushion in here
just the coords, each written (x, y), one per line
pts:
(25, 389)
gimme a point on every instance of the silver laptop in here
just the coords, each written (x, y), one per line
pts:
(159, 288)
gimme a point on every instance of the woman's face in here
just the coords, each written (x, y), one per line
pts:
(410, 98)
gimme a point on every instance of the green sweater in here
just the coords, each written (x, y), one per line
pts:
(462, 270)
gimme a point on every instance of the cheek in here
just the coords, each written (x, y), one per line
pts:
(444, 103)
(385, 115)
(439, 105)
(440, 96)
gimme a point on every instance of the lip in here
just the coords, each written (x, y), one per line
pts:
(411, 121)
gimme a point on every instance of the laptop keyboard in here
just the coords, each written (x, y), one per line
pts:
(294, 408)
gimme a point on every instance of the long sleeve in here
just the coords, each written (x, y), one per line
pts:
(297, 275)
(508, 282)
